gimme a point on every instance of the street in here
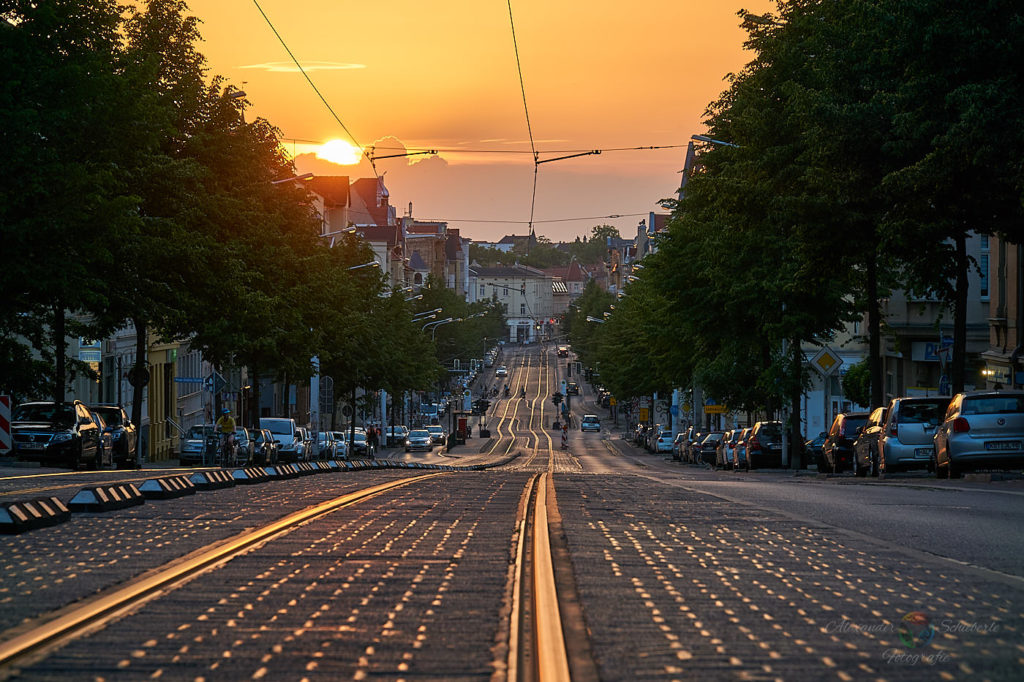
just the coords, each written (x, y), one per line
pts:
(661, 570)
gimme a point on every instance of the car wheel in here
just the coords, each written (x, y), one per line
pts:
(953, 471)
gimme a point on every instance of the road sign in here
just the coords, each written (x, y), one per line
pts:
(643, 414)
(612, 401)
(674, 410)
(5, 424)
(826, 361)
(214, 382)
(715, 409)
(188, 380)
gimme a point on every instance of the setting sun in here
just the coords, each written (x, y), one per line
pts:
(340, 152)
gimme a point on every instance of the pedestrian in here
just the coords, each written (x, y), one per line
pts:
(371, 440)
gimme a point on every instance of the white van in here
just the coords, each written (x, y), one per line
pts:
(285, 432)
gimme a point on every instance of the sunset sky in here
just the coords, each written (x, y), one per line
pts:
(442, 75)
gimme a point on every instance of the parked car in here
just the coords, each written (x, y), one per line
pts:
(693, 438)
(307, 446)
(764, 445)
(419, 439)
(62, 434)
(326, 447)
(677, 445)
(663, 443)
(264, 447)
(245, 446)
(865, 447)
(908, 435)
(437, 433)
(105, 456)
(123, 434)
(190, 451)
(739, 453)
(590, 422)
(812, 448)
(359, 446)
(340, 444)
(725, 456)
(837, 452)
(980, 430)
(704, 453)
(286, 433)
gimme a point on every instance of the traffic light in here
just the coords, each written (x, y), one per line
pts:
(556, 398)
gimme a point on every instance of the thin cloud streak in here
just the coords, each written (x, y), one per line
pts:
(289, 67)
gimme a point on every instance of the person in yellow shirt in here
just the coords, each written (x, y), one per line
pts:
(226, 428)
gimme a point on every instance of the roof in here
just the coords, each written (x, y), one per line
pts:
(573, 272)
(506, 271)
(333, 188)
(371, 201)
(416, 261)
(389, 234)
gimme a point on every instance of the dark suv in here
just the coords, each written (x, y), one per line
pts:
(62, 434)
(837, 452)
(122, 432)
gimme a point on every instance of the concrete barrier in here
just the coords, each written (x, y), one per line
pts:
(214, 479)
(25, 515)
(104, 498)
(250, 475)
(167, 488)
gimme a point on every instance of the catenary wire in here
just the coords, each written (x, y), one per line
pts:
(526, 109)
(312, 84)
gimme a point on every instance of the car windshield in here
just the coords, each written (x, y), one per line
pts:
(111, 415)
(359, 437)
(929, 412)
(853, 423)
(993, 404)
(44, 413)
(435, 429)
(590, 419)
(773, 430)
(419, 434)
(279, 426)
(713, 438)
(197, 432)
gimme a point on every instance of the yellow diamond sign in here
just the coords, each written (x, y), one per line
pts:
(826, 361)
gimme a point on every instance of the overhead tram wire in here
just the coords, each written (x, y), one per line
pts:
(309, 80)
(529, 128)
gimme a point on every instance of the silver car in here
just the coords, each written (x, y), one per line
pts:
(981, 430)
(908, 434)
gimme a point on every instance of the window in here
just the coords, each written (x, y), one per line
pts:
(983, 283)
(504, 291)
(522, 308)
(483, 291)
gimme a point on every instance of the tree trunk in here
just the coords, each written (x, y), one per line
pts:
(140, 361)
(254, 397)
(959, 361)
(59, 353)
(874, 330)
(796, 443)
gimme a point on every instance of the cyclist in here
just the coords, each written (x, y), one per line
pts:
(226, 428)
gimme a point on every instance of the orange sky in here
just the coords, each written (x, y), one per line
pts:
(598, 74)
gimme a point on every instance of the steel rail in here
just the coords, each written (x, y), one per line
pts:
(75, 620)
(552, 660)
(518, 578)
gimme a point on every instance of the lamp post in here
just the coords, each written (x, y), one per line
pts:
(371, 264)
(297, 178)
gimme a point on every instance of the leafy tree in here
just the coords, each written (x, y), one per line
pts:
(857, 383)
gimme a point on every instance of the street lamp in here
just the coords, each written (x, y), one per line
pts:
(371, 264)
(297, 178)
(414, 298)
(437, 322)
(425, 314)
(711, 140)
(594, 319)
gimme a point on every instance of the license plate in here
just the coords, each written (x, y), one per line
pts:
(923, 452)
(31, 446)
(1002, 445)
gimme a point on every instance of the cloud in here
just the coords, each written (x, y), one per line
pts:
(289, 67)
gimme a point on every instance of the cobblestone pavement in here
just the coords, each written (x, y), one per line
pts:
(680, 585)
(408, 584)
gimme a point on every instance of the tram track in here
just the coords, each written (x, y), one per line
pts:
(34, 639)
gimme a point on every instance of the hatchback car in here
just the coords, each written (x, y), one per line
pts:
(739, 453)
(264, 447)
(837, 452)
(340, 444)
(590, 422)
(123, 433)
(664, 442)
(725, 457)
(980, 430)
(865, 448)
(677, 445)
(763, 447)
(908, 435)
(705, 450)
(419, 439)
(326, 447)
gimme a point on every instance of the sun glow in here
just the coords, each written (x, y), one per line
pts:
(340, 152)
